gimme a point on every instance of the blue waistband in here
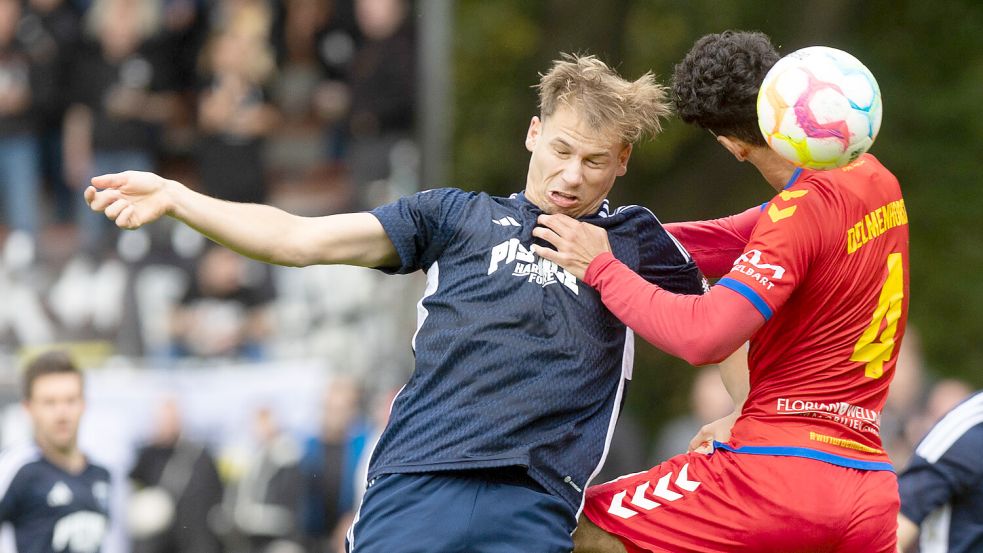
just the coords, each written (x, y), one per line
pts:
(784, 451)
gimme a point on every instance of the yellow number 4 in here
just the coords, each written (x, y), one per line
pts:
(874, 354)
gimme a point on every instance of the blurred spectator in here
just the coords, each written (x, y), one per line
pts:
(123, 92)
(221, 12)
(329, 465)
(233, 114)
(226, 311)
(944, 395)
(176, 487)
(336, 47)
(383, 90)
(19, 89)
(51, 494)
(941, 489)
(184, 29)
(51, 31)
(709, 401)
(300, 57)
(264, 504)
(315, 42)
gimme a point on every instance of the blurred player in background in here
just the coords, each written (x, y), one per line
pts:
(803, 468)
(942, 487)
(55, 499)
(520, 371)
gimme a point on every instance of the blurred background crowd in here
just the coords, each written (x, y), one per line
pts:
(300, 103)
(305, 104)
(253, 393)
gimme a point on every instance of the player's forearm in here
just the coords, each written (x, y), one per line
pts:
(274, 236)
(258, 231)
(699, 329)
(735, 376)
(907, 533)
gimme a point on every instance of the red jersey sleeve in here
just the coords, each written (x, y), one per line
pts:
(699, 329)
(783, 245)
(716, 243)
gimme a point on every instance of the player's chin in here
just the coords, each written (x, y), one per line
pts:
(574, 211)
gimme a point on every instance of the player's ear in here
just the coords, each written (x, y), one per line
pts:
(623, 157)
(737, 147)
(534, 132)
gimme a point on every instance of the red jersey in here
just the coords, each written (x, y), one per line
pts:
(827, 266)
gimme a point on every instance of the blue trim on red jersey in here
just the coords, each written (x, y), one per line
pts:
(749, 293)
(793, 178)
(784, 451)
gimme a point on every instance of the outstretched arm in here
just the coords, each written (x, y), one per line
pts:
(133, 199)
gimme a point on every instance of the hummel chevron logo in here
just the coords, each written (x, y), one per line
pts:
(639, 500)
(506, 222)
(779, 214)
(792, 194)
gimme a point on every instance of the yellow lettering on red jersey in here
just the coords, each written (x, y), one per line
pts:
(874, 224)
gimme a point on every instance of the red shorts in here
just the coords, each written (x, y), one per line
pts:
(740, 502)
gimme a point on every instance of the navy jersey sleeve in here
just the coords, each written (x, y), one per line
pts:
(7, 504)
(11, 463)
(928, 483)
(665, 262)
(422, 225)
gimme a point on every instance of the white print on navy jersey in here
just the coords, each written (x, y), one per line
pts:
(750, 264)
(619, 507)
(528, 266)
(60, 495)
(852, 416)
(79, 532)
(506, 222)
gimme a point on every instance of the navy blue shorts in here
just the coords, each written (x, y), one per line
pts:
(489, 511)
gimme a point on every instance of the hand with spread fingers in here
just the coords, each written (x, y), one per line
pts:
(576, 243)
(131, 199)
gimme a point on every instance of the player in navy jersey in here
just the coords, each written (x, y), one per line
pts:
(942, 487)
(520, 370)
(55, 499)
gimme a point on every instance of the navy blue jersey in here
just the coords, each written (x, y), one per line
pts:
(517, 362)
(942, 487)
(51, 510)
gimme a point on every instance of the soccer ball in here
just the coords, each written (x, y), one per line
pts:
(819, 108)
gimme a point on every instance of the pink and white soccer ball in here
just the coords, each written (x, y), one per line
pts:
(819, 108)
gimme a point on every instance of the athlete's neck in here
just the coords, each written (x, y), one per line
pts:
(69, 458)
(773, 167)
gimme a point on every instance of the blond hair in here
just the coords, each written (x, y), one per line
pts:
(631, 109)
(250, 24)
(146, 16)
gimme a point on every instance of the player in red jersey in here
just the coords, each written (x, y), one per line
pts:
(820, 287)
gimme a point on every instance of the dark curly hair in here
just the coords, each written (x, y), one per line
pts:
(716, 84)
